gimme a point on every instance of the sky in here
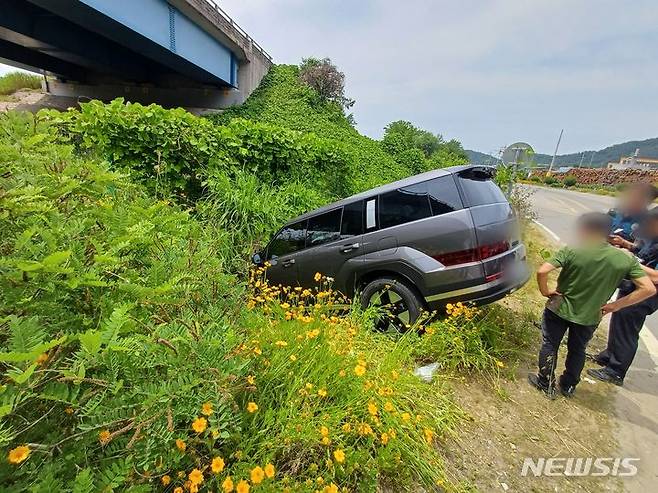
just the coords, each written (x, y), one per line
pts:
(488, 73)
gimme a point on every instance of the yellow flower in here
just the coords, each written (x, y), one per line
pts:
(243, 487)
(332, 488)
(104, 437)
(384, 438)
(281, 343)
(406, 416)
(178, 489)
(199, 425)
(389, 407)
(252, 407)
(251, 380)
(339, 455)
(269, 470)
(217, 465)
(207, 409)
(347, 427)
(257, 474)
(68, 410)
(324, 431)
(395, 375)
(341, 373)
(293, 357)
(180, 444)
(317, 276)
(166, 479)
(326, 440)
(500, 364)
(227, 485)
(429, 434)
(372, 408)
(43, 357)
(19, 454)
(359, 370)
(215, 434)
(195, 477)
(322, 393)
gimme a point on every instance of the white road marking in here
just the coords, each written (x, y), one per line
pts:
(548, 230)
(651, 343)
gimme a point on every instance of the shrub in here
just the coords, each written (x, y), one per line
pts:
(569, 181)
(550, 180)
(172, 151)
(14, 81)
(327, 81)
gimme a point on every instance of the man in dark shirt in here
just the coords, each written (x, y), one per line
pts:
(626, 324)
(633, 205)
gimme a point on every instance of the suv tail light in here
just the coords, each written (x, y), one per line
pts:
(473, 254)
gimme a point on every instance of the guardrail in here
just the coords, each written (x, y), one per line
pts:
(242, 32)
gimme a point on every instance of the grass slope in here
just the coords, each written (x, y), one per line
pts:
(283, 100)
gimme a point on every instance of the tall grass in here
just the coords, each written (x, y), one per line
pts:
(13, 81)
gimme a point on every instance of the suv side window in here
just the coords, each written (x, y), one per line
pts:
(324, 228)
(290, 239)
(404, 205)
(352, 220)
(443, 194)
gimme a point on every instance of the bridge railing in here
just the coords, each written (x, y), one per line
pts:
(235, 25)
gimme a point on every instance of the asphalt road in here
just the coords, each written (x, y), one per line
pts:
(636, 404)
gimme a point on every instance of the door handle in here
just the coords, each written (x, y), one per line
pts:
(288, 263)
(349, 248)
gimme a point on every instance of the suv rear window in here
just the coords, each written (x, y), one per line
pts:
(404, 205)
(480, 189)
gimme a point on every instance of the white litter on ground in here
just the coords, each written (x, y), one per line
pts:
(426, 373)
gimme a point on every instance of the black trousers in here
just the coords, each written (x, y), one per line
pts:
(553, 330)
(624, 334)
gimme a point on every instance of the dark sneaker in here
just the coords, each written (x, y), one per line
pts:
(549, 390)
(598, 360)
(606, 375)
(567, 390)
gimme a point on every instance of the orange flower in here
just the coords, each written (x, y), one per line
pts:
(180, 444)
(43, 357)
(19, 454)
(195, 477)
(178, 489)
(227, 485)
(199, 425)
(429, 434)
(217, 465)
(269, 470)
(104, 437)
(166, 479)
(257, 475)
(207, 409)
(252, 407)
(243, 487)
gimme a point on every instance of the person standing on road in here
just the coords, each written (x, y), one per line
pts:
(589, 275)
(633, 206)
(626, 324)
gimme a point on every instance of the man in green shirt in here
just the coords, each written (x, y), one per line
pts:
(589, 275)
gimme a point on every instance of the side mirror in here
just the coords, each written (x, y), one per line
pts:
(256, 258)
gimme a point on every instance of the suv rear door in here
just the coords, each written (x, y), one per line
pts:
(496, 226)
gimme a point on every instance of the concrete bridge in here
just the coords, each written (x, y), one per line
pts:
(173, 52)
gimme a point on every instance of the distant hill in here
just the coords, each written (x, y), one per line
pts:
(648, 148)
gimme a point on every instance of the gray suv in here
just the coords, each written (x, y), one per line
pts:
(417, 244)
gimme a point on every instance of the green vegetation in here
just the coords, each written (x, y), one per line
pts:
(13, 81)
(137, 352)
(420, 150)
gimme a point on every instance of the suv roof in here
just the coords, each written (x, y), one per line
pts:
(405, 182)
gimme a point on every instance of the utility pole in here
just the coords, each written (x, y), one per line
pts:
(591, 158)
(557, 146)
(582, 156)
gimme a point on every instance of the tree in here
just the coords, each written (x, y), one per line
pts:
(326, 79)
(405, 142)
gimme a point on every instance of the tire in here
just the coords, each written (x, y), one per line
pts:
(401, 306)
